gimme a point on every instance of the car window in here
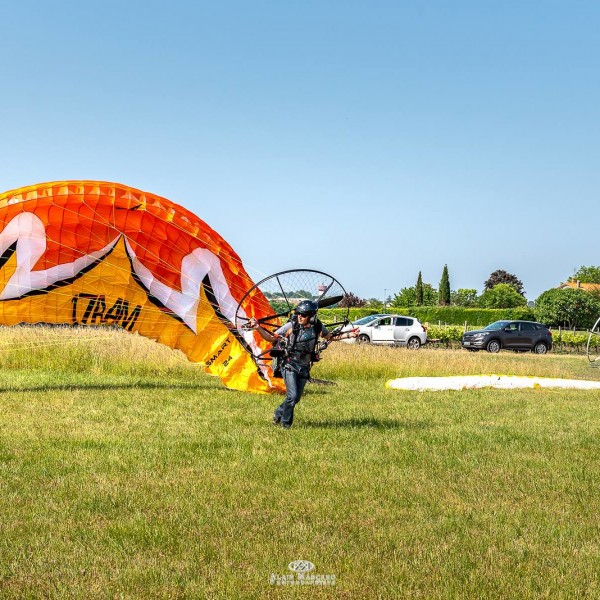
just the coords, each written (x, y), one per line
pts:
(528, 327)
(512, 327)
(387, 321)
(403, 322)
(497, 325)
(365, 320)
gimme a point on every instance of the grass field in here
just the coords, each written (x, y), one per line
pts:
(126, 472)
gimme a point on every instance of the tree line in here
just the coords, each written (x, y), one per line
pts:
(567, 306)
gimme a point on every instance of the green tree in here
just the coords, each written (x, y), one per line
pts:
(375, 303)
(500, 276)
(502, 295)
(278, 306)
(407, 296)
(587, 275)
(464, 297)
(567, 307)
(419, 291)
(444, 293)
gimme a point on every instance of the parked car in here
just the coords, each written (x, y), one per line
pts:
(510, 335)
(392, 329)
(366, 320)
(358, 323)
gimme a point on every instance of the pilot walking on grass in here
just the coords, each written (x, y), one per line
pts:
(302, 334)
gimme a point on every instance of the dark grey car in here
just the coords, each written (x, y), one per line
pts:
(510, 335)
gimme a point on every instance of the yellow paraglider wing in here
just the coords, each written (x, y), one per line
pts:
(96, 253)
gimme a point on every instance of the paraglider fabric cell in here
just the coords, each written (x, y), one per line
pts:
(96, 253)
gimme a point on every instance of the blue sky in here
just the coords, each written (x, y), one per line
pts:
(371, 140)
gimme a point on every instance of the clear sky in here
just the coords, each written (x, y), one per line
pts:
(371, 140)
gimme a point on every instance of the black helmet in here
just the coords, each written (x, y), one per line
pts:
(307, 307)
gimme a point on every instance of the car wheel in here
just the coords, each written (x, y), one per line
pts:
(363, 339)
(493, 346)
(414, 343)
(540, 348)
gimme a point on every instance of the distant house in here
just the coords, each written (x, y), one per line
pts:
(594, 288)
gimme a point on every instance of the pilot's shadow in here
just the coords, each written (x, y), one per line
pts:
(365, 423)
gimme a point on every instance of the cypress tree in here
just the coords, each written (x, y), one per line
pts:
(419, 291)
(444, 294)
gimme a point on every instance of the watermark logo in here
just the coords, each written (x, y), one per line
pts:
(301, 575)
(301, 566)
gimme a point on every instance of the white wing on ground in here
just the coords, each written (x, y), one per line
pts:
(505, 382)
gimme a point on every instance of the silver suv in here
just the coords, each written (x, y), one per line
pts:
(393, 329)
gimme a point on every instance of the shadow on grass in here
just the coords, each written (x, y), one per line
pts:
(147, 385)
(326, 382)
(317, 391)
(365, 424)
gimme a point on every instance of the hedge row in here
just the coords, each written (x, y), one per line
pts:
(563, 341)
(452, 315)
(570, 338)
(451, 335)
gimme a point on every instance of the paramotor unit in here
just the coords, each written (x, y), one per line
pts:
(284, 291)
(593, 354)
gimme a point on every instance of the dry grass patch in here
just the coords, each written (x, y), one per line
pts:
(384, 362)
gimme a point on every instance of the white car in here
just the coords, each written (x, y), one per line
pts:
(393, 329)
(358, 323)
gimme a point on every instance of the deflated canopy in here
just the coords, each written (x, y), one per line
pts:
(97, 253)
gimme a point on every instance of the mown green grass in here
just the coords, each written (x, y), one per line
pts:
(126, 472)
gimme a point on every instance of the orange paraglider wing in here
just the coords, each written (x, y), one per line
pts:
(98, 253)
